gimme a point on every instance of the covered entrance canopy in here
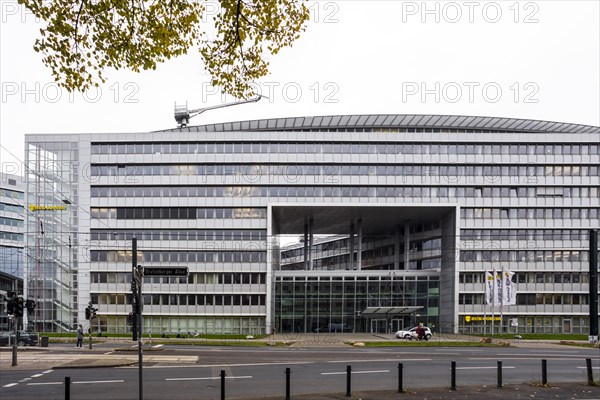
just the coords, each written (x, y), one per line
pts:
(389, 319)
(376, 312)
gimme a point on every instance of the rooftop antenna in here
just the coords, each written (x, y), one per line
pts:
(183, 115)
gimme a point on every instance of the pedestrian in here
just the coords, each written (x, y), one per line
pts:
(420, 332)
(79, 336)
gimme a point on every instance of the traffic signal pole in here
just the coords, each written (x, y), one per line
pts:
(593, 286)
(137, 299)
(15, 324)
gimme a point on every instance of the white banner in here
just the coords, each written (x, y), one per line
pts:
(497, 288)
(509, 291)
(489, 288)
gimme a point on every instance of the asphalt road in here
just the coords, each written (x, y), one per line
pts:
(184, 372)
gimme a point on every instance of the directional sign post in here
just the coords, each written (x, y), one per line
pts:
(166, 271)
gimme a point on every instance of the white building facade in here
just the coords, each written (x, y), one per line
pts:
(423, 206)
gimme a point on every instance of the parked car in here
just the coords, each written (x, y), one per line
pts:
(412, 333)
(23, 338)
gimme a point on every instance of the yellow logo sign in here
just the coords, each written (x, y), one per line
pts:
(33, 207)
(474, 318)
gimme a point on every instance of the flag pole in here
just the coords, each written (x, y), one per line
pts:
(495, 296)
(501, 299)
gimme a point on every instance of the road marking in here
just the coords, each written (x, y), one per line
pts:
(45, 383)
(48, 371)
(222, 365)
(37, 375)
(381, 360)
(355, 372)
(586, 367)
(523, 358)
(209, 378)
(157, 346)
(115, 381)
(25, 379)
(545, 355)
(483, 367)
(10, 385)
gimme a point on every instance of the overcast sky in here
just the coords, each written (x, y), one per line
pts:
(526, 59)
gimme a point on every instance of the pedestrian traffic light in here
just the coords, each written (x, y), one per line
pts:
(30, 305)
(88, 313)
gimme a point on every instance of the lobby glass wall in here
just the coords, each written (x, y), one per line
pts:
(315, 303)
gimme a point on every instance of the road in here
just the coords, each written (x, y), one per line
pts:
(186, 372)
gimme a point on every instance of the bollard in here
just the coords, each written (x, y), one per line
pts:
(222, 385)
(67, 388)
(544, 373)
(590, 374)
(348, 380)
(453, 375)
(499, 374)
(287, 384)
(400, 378)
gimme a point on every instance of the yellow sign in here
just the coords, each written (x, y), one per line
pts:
(475, 318)
(33, 207)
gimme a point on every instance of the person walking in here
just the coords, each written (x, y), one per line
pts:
(79, 336)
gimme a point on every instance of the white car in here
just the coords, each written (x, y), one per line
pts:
(412, 333)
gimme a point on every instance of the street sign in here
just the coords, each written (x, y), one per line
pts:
(166, 271)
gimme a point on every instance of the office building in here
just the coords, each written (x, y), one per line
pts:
(397, 220)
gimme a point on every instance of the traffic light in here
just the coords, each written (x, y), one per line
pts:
(30, 305)
(19, 306)
(10, 303)
(90, 311)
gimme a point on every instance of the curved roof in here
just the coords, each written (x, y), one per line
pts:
(376, 121)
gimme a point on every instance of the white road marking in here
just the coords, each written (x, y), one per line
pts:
(48, 371)
(10, 385)
(209, 378)
(222, 365)
(37, 375)
(356, 372)
(503, 367)
(157, 346)
(45, 383)
(25, 379)
(382, 360)
(62, 383)
(586, 367)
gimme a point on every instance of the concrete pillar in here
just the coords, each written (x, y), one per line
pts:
(359, 250)
(406, 244)
(310, 244)
(305, 246)
(351, 245)
(397, 247)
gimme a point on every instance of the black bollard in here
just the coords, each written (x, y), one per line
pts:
(67, 388)
(499, 374)
(400, 378)
(348, 380)
(453, 375)
(222, 385)
(287, 384)
(590, 374)
(544, 373)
